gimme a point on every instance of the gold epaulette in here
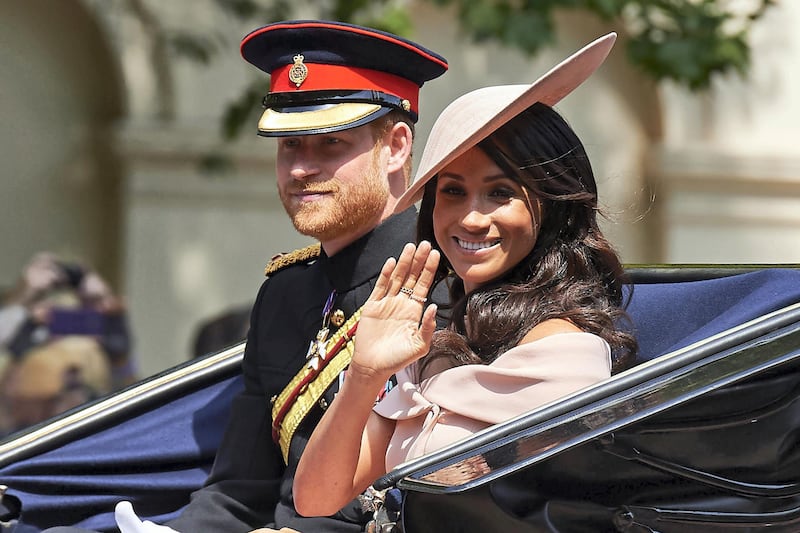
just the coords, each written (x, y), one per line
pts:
(281, 261)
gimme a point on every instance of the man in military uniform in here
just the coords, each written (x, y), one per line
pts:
(342, 103)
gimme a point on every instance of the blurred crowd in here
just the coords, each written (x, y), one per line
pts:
(64, 340)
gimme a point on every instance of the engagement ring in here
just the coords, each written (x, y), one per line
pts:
(410, 293)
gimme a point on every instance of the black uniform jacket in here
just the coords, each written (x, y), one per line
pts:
(249, 486)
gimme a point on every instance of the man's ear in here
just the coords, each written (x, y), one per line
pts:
(399, 140)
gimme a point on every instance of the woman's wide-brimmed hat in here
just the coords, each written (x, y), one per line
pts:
(477, 114)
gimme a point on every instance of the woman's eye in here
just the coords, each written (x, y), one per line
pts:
(450, 190)
(503, 193)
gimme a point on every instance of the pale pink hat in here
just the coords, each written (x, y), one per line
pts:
(475, 115)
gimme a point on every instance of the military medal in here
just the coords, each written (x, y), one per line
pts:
(316, 348)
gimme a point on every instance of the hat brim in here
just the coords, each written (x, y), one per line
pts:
(474, 116)
(311, 120)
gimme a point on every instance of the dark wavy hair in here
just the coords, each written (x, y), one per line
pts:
(572, 273)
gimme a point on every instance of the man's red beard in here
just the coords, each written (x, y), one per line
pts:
(344, 208)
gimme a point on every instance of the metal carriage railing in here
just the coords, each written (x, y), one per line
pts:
(154, 442)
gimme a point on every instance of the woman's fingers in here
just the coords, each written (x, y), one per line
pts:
(426, 262)
(428, 274)
(417, 264)
(382, 283)
(401, 270)
(411, 274)
(428, 325)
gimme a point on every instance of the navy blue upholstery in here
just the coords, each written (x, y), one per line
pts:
(669, 316)
(156, 458)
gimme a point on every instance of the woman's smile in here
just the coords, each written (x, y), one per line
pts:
(482, 219)
(476, 246)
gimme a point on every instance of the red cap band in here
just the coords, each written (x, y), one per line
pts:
(324, 77)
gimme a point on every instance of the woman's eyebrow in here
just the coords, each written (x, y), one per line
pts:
(459, 177)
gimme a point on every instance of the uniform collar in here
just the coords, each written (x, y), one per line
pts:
(357, 263)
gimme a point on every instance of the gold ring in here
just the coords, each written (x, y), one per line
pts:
(410, 293)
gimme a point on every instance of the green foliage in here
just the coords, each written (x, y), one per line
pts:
(242, 111)
(241, 9)
(687, 41)
(195, 47)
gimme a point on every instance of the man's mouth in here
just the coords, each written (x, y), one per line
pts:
(309, 196)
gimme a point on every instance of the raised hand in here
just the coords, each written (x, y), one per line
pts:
(396, 327)
(41, 275)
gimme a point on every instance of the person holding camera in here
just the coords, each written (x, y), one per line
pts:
(65, 337)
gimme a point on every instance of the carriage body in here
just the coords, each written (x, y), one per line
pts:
(701, 434)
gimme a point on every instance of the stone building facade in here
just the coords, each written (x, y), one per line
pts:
(108, 137)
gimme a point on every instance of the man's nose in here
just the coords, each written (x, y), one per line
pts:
(301, 173)
(304, 165)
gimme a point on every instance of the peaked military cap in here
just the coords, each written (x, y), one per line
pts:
(329, 76)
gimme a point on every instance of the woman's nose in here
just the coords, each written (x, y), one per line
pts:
(474, 219)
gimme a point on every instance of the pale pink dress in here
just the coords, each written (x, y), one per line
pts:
(459, 401)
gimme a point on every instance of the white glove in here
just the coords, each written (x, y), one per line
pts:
(128, 522)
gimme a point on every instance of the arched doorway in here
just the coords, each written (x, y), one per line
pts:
(61, 96)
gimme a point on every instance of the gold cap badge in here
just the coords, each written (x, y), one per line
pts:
(299, 72)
